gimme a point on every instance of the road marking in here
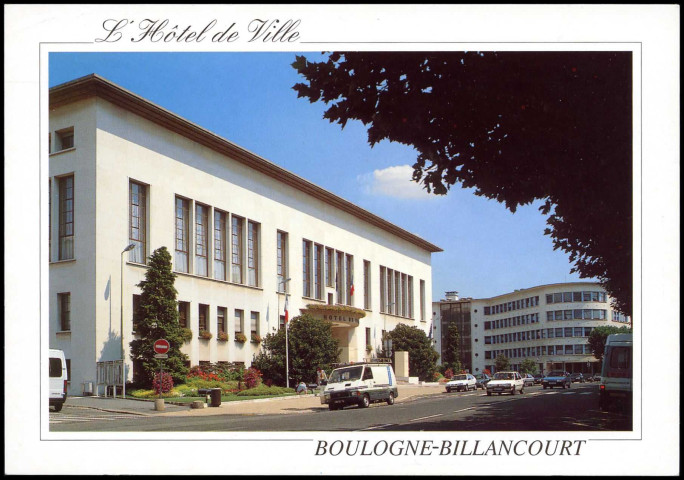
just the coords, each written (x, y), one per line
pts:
(568, 393)
(377, 426)
(586, 393)
(429, 416)
(463, 409)
(88, 418)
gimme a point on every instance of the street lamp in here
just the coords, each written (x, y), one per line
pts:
(287, 362)
(123, 358)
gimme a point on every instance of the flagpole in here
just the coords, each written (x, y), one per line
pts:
(287, 353)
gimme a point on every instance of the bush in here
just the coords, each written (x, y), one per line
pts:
(448, 373)
(165, 383)
(252, 377)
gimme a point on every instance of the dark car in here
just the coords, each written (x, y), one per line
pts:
(557, 378)
(538, 378)
(482, 379)
(577, 378)
(528, 379)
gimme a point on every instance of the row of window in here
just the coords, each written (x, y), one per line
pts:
(574, 349)
(327, 267)
(214, 249)
(539, 334)
(512, 321)
(396, 293)
(512, 305)
(576, 314)
(565, 297)
(221, 319)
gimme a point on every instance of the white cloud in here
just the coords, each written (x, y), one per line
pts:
(393, 182)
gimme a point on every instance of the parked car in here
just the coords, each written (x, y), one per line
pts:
(465, 382)
(506, 382)
(528, 379)
(557, 378)
(482, 379)
(538, 378)
(577, 378)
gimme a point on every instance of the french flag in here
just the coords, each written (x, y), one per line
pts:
(351, 288)
(287, 314)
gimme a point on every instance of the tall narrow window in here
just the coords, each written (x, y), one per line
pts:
(203, 317)
(397, 293)
(221, 326)
(390, 291)
(237, 224)
(219, 245)
(383, 288)
(137, 222)
(64, 305)
(404, 309)
(317, 271)
(66, 218)
(252, 254)
(410, 296)
(281, 241)
(366, 285)
(339, 277)
(201, 239)
(254, 323)
(136, 314)
(329, 267)
(239, 316)
(182, 235)
(349, 267)
(49, 220)
(183, 314)
(422, 300)
(306, 268)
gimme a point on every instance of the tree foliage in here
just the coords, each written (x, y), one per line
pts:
(422, 357)
(502, 363)
(311, 345)
(516, 126)
(597, 338)
(451, 352)
(158, 318)
(528, 366)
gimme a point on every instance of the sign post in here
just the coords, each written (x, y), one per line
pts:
(161, 349)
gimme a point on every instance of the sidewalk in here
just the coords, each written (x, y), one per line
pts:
(267, 406)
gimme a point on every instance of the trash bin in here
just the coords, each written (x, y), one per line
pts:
(215, 397)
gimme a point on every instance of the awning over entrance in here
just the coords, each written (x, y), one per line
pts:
(338, 315)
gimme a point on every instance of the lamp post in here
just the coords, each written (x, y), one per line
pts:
(287, 362)
(123, 358)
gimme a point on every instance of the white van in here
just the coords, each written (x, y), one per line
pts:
(360, 384)
(58, 379)
(616, 374)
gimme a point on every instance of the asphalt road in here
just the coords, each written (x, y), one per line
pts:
(575, 409)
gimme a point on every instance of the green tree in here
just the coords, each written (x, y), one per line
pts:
(528, 366)
(502, 363)
(311, 345)
(422, 357)
(517, 127)
(451, 352)
(158, 318)
(597, 338)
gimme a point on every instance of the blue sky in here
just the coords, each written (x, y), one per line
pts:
(248, 99)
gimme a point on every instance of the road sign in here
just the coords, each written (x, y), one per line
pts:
(160, 355)
(161, 346)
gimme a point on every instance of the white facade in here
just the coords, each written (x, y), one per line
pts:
(122, 143)
(549, 324)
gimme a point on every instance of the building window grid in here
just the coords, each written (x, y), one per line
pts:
(306, 268)
(137, 232)
(253, 254)
(366, 285)
(237, 225)
(349, 271)
(219, 245)
(340, 278)
(330, 267)
(281, 246)
(317, 274)
(182, 237)
(66, 218)
(201, 238)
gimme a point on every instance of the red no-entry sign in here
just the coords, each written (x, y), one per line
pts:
(161, 346)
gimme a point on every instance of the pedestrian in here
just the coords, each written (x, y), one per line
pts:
(321, 376)
(301, 388)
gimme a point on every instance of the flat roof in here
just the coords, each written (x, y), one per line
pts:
(94, 85)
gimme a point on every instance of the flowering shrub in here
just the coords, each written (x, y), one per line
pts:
(240, 337)
(197, 372)
(252, 377)
(166, 383)
(256, 338)
(438, 376)
(205, 334)
(222, 336)
(448, 373)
